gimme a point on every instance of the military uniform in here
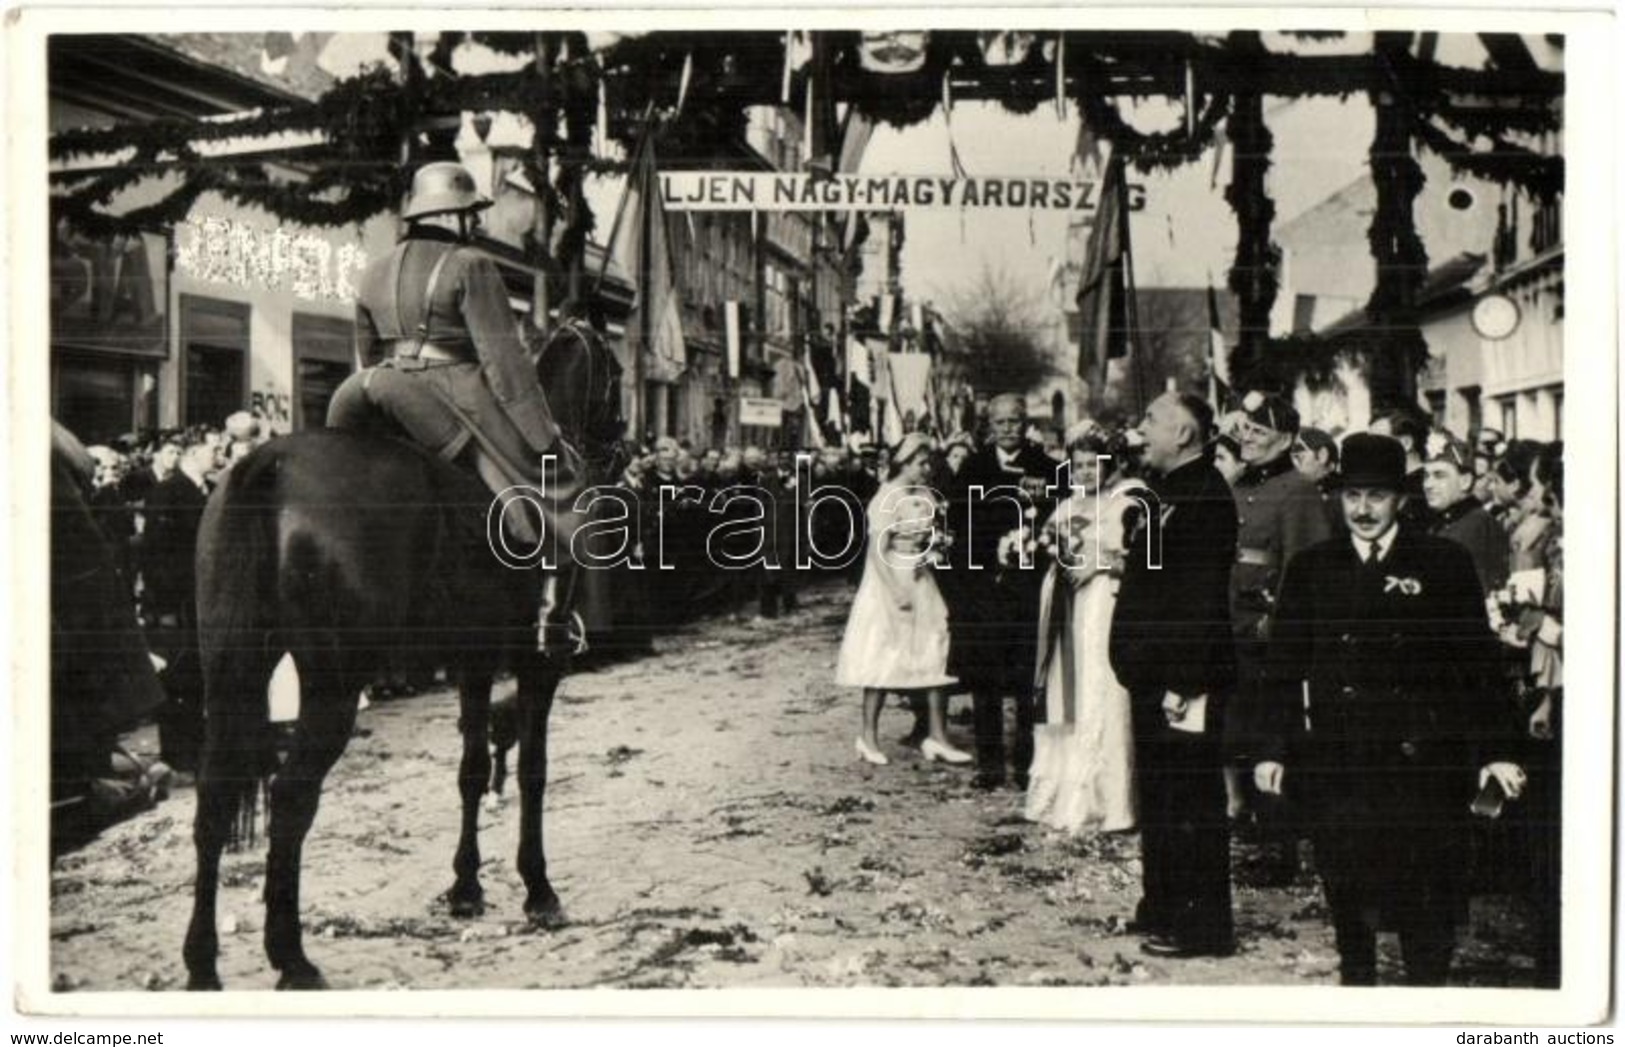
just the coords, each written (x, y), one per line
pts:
(443, 360)
(1279, 513)
(1469, 525)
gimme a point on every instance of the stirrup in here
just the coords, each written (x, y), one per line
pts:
(567, 637)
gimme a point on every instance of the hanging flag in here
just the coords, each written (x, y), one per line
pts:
(948, 123)
(856, 130)
(640, 245)
(910, 378)
(601, 144)
(1060, 77)
(1190, 98)
(789, 67)
(1103, 305)
(858, 381)
(682, 82)
(1218, 354)
(811, 395)
(1086, 161)
(857, 363)
(733, 325)
(885, 394)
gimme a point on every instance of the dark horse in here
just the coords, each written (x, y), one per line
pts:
(342, 549)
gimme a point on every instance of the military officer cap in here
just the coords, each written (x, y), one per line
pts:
(1442, 447)
(443, 187)
(1317, 440)
(1271, 411)
(1370, 460)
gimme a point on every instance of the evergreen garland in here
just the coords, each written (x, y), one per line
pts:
(354, 174)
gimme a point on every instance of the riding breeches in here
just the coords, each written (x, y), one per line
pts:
(424, 403)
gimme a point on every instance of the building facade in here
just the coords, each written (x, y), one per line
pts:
(226, 311)
(1485, 242)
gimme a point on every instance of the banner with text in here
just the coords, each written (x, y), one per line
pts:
(769, 191)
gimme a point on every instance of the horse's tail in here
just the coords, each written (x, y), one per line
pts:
(237, 619)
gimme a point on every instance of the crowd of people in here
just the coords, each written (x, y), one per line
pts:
(1215, 626)
(1205, 625)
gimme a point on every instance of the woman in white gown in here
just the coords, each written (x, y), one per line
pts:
(1082, 776)
(897, 635)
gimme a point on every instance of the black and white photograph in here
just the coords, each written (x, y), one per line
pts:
(927, 505)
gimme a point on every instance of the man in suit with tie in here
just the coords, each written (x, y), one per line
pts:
(1172, 647)
(1389, 717)
(174, 512)
(993, 607)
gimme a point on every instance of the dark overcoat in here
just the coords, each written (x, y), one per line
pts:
(1171, 628)
(993, 609)
(1388, 701)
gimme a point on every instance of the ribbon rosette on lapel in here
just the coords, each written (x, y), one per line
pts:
(1408, 586)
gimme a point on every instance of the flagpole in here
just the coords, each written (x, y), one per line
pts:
(645, 320)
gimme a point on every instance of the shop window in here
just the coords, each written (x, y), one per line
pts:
(1435, 398)
(323, 357)
(99, 396)
(214, 360)
(1509, 417)
(1475, 409)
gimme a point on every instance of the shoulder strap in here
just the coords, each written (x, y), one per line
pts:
(391, 322)
(420, 334)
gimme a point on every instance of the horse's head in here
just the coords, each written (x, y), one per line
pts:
(583, 383)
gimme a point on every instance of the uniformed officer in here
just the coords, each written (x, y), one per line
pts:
(1448, 480)
(441, 354)
(1386, 676)
(1279, 514)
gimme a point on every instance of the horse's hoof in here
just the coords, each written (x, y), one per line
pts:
(209, 982)
(547, 914)
(466, 908)
(301, 981)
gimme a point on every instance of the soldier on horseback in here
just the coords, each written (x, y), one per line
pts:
(443, 360)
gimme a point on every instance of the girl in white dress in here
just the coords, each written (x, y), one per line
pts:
(1083, 760)
(897, 636)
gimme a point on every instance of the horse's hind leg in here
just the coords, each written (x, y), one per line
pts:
(326, 717)
(538, 680)
(209, 833)
(466, 898)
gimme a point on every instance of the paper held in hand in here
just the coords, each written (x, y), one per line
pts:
(1195, 719)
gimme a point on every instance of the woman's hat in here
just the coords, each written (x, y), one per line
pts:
(912, 445)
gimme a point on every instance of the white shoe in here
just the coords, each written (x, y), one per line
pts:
(871, 754)
(934, 751)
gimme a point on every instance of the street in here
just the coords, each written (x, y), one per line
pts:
(708, 825)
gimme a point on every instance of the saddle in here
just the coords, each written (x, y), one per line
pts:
(532, 511)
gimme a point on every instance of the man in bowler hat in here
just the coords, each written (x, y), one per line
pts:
(1388, 718)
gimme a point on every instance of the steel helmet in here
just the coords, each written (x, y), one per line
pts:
(441, 187)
